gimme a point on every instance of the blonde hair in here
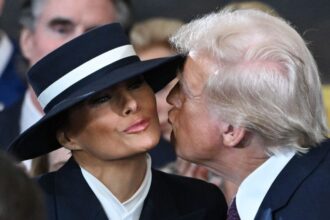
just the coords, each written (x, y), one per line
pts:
(252, 5)
(154, 31)
(326, 98)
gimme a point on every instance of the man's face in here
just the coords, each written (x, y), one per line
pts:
(196, 133)
(61, 21)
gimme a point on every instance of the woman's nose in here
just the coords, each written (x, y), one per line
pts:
(130, 104)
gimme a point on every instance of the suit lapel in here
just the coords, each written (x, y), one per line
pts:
(74, 198)
(160, 203)
(290, 178)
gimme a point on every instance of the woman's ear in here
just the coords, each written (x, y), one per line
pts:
(233, 136)
(66, 141)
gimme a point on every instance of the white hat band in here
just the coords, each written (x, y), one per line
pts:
(83, 71)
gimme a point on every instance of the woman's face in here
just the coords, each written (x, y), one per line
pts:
(157, 51)
(116, 123)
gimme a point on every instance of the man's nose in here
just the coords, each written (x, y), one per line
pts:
(173, 96)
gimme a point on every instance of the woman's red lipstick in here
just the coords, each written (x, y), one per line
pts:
(137, 127)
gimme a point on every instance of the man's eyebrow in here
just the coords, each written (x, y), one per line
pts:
(60, 21)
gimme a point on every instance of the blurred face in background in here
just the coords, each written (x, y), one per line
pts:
(157, 51)
(62, 20)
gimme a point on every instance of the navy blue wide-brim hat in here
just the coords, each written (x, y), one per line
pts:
(80, 68)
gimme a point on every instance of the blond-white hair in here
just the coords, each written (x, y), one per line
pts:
(266, 79)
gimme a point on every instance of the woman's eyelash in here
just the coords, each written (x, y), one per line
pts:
(100, 99)
(136, 83)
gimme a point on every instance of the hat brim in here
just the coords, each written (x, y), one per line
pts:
(40, 138)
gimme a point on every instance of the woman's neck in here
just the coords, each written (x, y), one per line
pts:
(122, 177)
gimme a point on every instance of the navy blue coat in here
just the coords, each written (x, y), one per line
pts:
(12, 87)
(171, 197)
(10, 123)
(302, 189)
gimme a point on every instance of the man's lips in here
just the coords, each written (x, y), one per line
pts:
(138, 126)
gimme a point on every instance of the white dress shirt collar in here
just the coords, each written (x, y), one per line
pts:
(6, 50)
(29, 116)
(254, 188)
(114, 209)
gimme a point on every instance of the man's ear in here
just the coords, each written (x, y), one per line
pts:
(66, 141)
(233, 136)
(26, 43)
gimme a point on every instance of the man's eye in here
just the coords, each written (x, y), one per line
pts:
(136, 83)
(62, 29)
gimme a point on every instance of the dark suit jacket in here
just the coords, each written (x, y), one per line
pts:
(68, 197)
(10, 124)
(162, 154)
(302, 189)
(12, 87)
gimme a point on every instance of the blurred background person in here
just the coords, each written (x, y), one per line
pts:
(20, 197)
(12, 83)
(257, 5)
(46, 25)
(326, 98)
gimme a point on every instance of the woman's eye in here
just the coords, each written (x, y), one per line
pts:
(100, 99)
(136, 83)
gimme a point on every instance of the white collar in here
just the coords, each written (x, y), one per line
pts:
(29, 116)
(253, 189)
(6, 50)
(114, 209)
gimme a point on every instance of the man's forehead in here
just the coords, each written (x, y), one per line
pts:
(71, 11)
(194, 75)
(199, 65)
(66, 8)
